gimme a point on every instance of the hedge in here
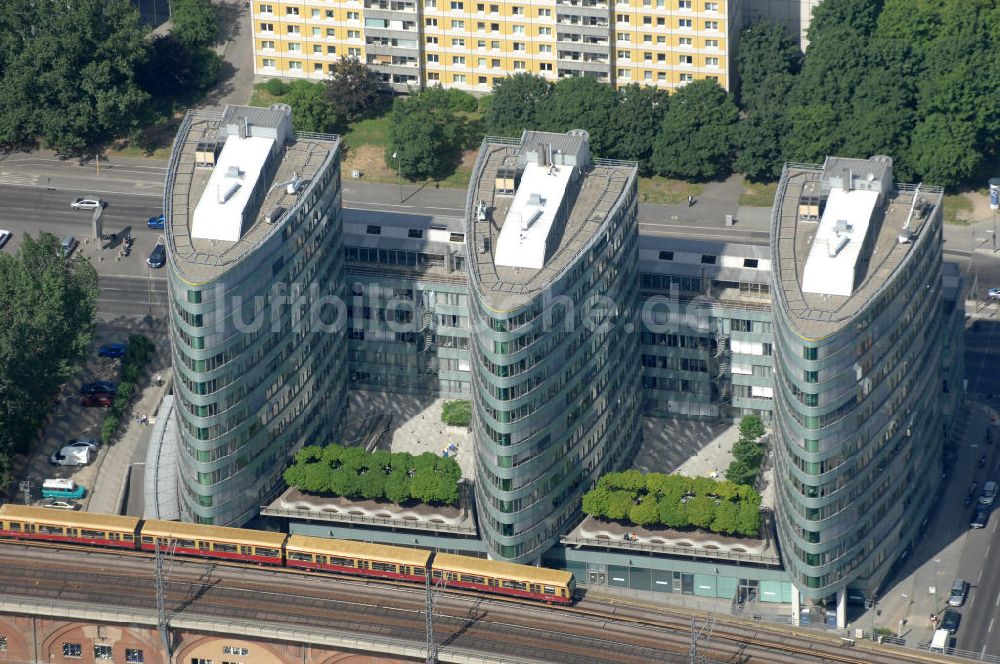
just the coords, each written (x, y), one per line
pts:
(675, 501)
(456, 413)
(136, 355)
(394, 476)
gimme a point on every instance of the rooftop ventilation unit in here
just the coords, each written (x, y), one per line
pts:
(275, 214)
(536, 199)
(535, 216)
(233, 188)
(234, 172)
(842, 235)
(294, 184)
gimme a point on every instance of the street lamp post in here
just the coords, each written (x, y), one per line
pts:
(995, 205)
(399, 173)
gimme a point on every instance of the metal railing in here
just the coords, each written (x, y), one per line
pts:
(691, 551)
(314, 514)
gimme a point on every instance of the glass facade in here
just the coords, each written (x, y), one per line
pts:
(259, 358)
(857, 399)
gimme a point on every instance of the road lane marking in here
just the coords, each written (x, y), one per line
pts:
(988, 551)
(990, 628)
(980, 580)
(88, 187)
(997, 603)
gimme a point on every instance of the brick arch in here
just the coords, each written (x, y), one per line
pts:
(17, 643)
(359, 658)
(193, 641)
(54, 638)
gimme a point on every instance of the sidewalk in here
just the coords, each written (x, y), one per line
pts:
(905, 607)
(113, 468)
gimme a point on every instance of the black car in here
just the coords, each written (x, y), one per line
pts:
(158, 257)
(950, 621)
(99, 386)
(980, 516)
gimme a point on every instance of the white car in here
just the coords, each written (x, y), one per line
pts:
(87, 203)
(993, 294)
(58, 504)
(4, 236)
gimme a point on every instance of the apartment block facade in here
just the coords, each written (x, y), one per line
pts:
(470, 44)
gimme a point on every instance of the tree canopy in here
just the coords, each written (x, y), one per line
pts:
(515, 103)
(425, 136)
(675, 501)
(695, 141)
(581, 102)
(47, 309)
(354, 473)
(194, 22)
(355, 91)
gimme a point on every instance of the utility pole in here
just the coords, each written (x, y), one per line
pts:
(161, 611)
(399, 173)
(431, 592)
(25, 488)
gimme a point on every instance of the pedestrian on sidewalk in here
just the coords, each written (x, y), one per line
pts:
(690, 201)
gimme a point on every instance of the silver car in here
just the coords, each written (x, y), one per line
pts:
(989, 493)
(58, 504)
(87, 203)
(959, 591)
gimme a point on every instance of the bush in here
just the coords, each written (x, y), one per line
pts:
(109, 429)
(675, 501)
(354, 473)
(275, 87)
(456, 413)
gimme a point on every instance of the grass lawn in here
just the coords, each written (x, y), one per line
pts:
(758, 194)
(662, 190)
(957, 209)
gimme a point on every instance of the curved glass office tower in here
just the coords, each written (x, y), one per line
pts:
(255, 263)
(858, 339)
(552, 246)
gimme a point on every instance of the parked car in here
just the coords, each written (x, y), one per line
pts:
(71, 456)
(87, 203)
(58, 504)
(67, 245)
(989, 493)
(959, 591)
(99, 386)
(112, 350)
(980, 516)
(158, 257)
(4, 236)
(97, 401)
(155, 222)
(993, 294)
(89, 443)
(950, 620)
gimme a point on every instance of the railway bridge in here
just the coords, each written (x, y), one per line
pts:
(63, 605)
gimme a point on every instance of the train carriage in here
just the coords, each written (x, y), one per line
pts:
(502, 578)
(356, 558)
(191, 539)
(39, 523)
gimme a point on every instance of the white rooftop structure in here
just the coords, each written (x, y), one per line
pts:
(219, 214)
(833, 258)
(524, 236)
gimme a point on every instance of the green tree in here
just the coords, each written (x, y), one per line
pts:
(748, 520)
(701, 511)
(69, 77)
(581, 102)
(810, 134)
(638, 117)
(194, 22)
(424, 485)
(176, 70)
(595, 502)
(47, 308)
(726, 518)
(397, 487)
(356, 91)
(345, 482)
(515, 103)
(741, 473)
(673, 513)
(695, 139)
(945, 150)
(423, 136)
(759, 143)
(751, 427)
(768, 60)
(372, 484)
(619, 504)
(311, 109)
(646, 513)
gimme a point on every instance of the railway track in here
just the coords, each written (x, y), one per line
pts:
(591, 632)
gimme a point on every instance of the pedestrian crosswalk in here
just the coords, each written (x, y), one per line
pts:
(18, 179)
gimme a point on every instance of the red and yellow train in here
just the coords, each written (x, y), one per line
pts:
(316, 554)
